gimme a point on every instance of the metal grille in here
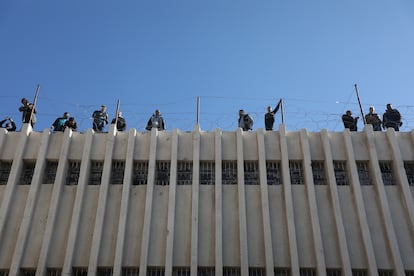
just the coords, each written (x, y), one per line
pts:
(231, 271)
(104, 271)
(155, 271)
(229, 172)
(307, 271)
(162, 173)
(251, 173)
(50, 172)
(184, 172)
(207, 173)
(53, 271)
(385, 272)
(27, 172)
(5, 167)
(407, 273)
(386, 172)
(72, 176)
(282, 271)
(333, 272)
(296, 172)
(181, 271)
(341, 176)
(409, 171)
(130, 271)
(4, 272)
(140, 174)
(363, 172)
(206, 271)
(359, 272)
(27, 271)
(95, 175)
(257, 271)
(273, 173)
(79, 271)
(117, 172)
(318, 171)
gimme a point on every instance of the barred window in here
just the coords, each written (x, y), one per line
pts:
(386, 172)
(155, 271)
(273, 173)
(385, 272)
(341, 176)
(318, 172)
(4, 272)
(206, 271)
(333, 272)
(50, 172)
(130, 271)
(104, 271)
(257, 271)
(409, 171)
(72, 176)
(162, 173)
(363, 172)
(207, 173)
(95, 175)
(184, 172)
(53, 271)
(296, 172)
(407, 273)
(282, 271)
(251, 172)
(79, 271)
(181, 271)
(117, 171)
(307, 271)
(229, 172)
(140, 173)
(27, 172)
(27, 271)
(359, 272)
(231, 271)
(5, 168)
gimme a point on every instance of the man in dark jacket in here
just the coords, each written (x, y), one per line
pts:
(120, 123)
(349, 121)
(10, 124)
(27, 114)
(391, 118)
(245, 121)
(59, 123)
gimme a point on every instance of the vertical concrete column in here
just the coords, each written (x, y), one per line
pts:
(14, 178)
(264, 194)
(78, 204)
(54, 202)
(359, 201)
(333, 192)
(382, 197)
(30, 205)
(171, 205)
(287, 195)
(313, 207)
(126, 194)
(195, 200)
(148, 203)
(3, 135)
(218, 203)
(102, 200)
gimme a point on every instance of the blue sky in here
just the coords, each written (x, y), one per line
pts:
(231, 54)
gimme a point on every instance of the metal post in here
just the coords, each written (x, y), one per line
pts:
(360, 106)
(34, 104)
(282, 111)
(117, 114)
(198, 110)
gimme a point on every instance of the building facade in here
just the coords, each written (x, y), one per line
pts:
(207, 203)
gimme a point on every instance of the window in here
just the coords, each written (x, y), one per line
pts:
(296, 172)
(340, 173)
(181, 271)
(207, 173)
(257, 271)
(72, 176)
(53, 271)
(117, 172)
(273, 173)
(206, 271)
(318, 171)
(79, 271)
(104, 271)
(130, 271)
(385, 272)
(184, 172)
(363, 172)
(27, 172)
(282, 271)
(5, 168)
(231, 271)
(229, 172)
(4, 272)
(307, 272)
(155, 271)
(50, 172)
(95, 175)
(386, 173)
(162, 173)
(27, 271)
(409, 171)
(407, 273)
(251, 173)
(359, 272)
(140, 173)
(333, 272)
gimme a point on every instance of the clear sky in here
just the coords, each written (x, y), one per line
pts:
(231, 54)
